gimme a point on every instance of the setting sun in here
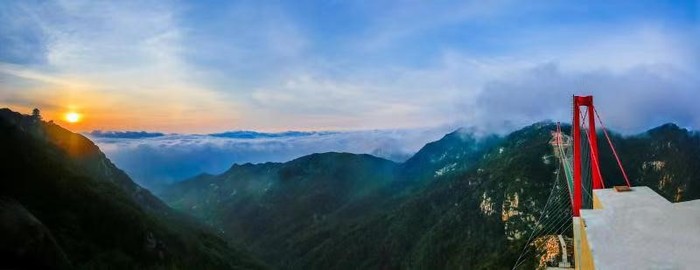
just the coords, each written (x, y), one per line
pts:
(73, 117)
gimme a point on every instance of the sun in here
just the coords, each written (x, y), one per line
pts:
(73, 117)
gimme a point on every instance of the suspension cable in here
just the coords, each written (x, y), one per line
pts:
(594, 158)
(537, 223)
(554, 216)
(617, 157)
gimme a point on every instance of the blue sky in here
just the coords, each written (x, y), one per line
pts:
(208, 66)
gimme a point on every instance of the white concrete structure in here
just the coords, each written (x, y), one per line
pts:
(639, 229)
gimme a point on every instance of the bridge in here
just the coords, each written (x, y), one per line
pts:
(586, 224)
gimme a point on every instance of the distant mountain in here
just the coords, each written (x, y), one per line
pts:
(266, 205)
(124, 134)
(246, 134)
(462, 202)
(665, 158)
(300, 202)
(64, 205)
(454, 153)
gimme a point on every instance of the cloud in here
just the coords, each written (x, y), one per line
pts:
(23, 42)
(123, 134)
(247, 134)
(102, 56)
(401, 21)
(202, 67)
(630, 101)
(639, 79)
(457, 86)
(156, 161)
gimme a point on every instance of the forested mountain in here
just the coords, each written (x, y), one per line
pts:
(64, 205)
(453, 153)
(273, 207)
(283, 210)
(666, 159)
(460, 203)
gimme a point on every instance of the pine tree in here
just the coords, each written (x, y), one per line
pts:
(36, 115)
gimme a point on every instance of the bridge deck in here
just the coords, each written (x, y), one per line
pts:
(642, 230)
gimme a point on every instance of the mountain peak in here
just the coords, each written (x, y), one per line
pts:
(668, 127)
(669, 130)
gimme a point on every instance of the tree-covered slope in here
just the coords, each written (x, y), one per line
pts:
(470, 205)
(479, 218)
(454, 153)
(267, 206)
(65, 205)
(284, 210)
(470, 220)
(665, 158)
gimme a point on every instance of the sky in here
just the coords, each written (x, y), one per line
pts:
(210, 66)
(379, 77)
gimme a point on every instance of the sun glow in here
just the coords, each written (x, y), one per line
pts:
(73, 117)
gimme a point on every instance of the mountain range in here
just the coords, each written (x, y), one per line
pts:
(462, 202)
(465, 201)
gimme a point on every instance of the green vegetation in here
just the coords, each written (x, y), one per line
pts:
(459, 203)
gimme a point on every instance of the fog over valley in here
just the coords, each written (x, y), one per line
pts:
(156, 159)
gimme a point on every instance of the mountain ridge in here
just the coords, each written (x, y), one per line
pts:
(62, 184)
(447, 218)
(208, 197)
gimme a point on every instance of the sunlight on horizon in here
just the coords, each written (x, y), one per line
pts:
(73, 117)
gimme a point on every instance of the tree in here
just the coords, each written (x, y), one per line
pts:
(36, 115)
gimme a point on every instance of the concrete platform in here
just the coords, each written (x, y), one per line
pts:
(640, 229)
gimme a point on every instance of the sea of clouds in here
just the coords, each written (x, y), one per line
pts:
(156, 159)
